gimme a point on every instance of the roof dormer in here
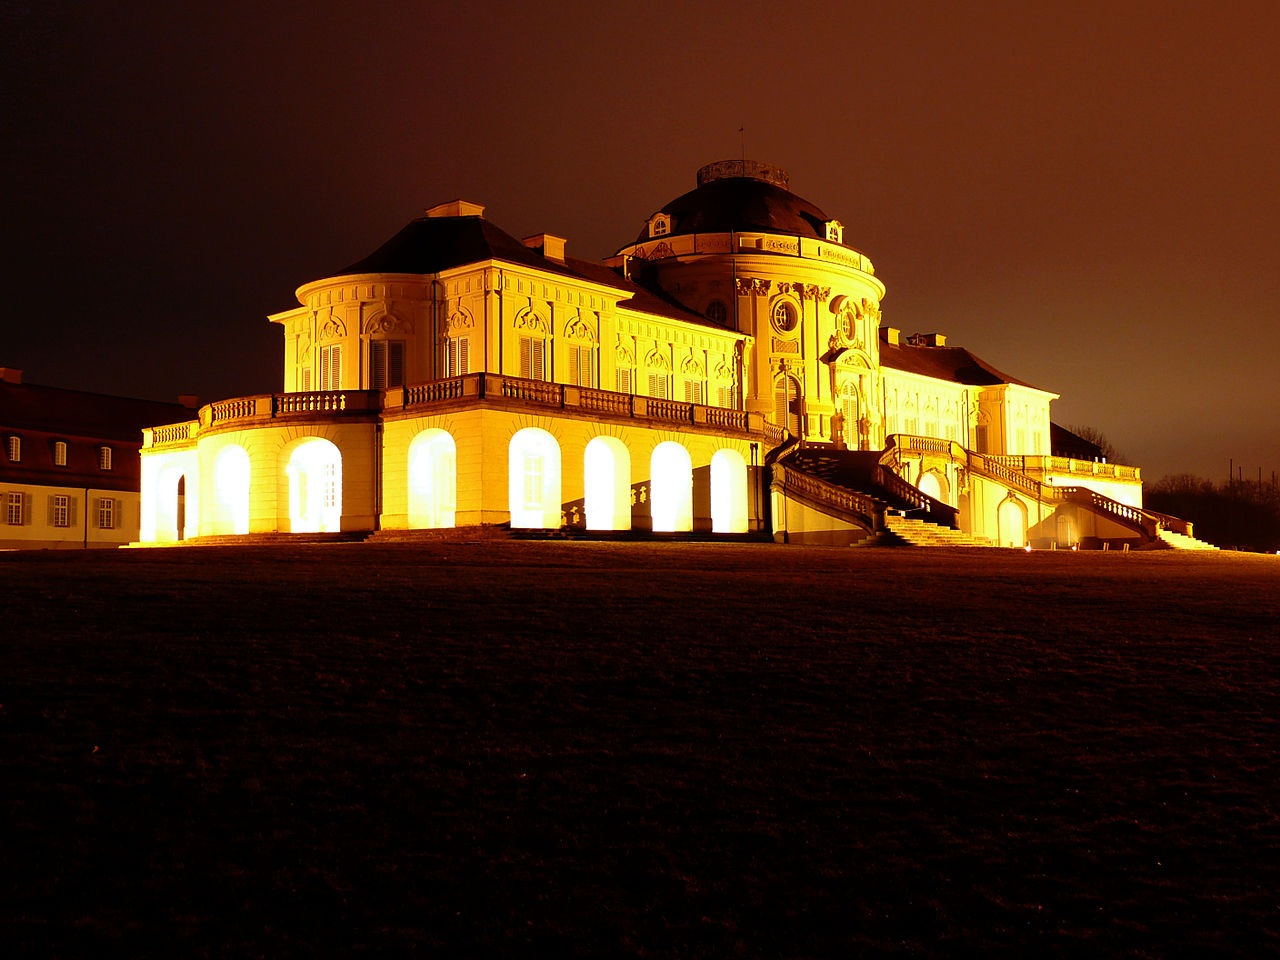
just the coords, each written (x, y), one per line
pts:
(835, 231)
(659, 225)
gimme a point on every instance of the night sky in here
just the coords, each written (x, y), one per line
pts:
(1088, 197)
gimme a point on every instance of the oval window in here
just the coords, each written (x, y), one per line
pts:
(785, 316)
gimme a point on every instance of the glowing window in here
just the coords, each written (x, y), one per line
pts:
(106, 514)
(59, 511)
(457, 356)
(386, 364)
(104, 458)
(59, 453)
(716, 311)
(532, 481)
(671, 487)
(15, 449)
(785, 315)
(433, 474)
(14, 509)
(607, 484)
(728, 492)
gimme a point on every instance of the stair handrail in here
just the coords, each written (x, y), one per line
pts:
(865, 509)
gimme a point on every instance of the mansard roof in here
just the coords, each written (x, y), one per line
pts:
(742, 204)
(432, 244)
(955, 364)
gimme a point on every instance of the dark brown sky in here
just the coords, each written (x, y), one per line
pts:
(1089, 198)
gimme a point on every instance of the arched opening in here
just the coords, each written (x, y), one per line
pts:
(728, 492)
(786, 404)
(314, 472)
(433, 479)
(231, 490)
(607, 483)
(170, 505)
(935, 485)
(533, 474)
(671, 487)
(849, 414)
(1011, 523)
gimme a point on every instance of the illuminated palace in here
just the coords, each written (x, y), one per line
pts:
(726, 373)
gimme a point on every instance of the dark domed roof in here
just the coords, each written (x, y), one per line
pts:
(733, 203)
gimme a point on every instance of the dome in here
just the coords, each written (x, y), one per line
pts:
(736, 195)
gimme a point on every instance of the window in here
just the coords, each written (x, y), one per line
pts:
(980, 439)
(331, 367)
(724, 395)
(330, 473)
(622, 378)
(785, 316)
(59, 453)
(306, 380)
(60, 510)
(582, 368)
(849, 413)
(658, 385)
(457, 356)
(386, 364)
(693, 392)
(532, 353)
(533, 481)
(716, 311)
(106, 514)
(786, 404)
(104, 458)
(14, 509)
(15, 449)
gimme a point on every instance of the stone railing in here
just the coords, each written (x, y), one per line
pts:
(1073, 468)
(170, 433)
(569, 397)
(1122, 513)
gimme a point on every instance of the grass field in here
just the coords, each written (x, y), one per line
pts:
(652, 750)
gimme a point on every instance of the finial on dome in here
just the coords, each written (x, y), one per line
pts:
(752, 169)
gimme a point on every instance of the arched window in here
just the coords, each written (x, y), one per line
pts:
(314, 474)
(786, 404)
(231, 490)
(59, 453)
(533, 476)
(716, 312)
(728, 492)
(607, 484)
(671, 487)
(433, 471)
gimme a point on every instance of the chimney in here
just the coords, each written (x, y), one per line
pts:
(456, 208)
(10, 375)
(549, 246)
(927, 340)
(891, 335)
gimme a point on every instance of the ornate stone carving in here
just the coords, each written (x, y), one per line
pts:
(460, 319)
(577, 329)
(691, 366)
(528, 320)
(333, 329)
(656, 360)
(785, 346)
(748, 286)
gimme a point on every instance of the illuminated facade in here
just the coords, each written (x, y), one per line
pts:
(726, 373)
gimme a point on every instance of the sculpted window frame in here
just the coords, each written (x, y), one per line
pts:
(785, 316)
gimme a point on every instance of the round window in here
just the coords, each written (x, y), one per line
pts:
(785, 316)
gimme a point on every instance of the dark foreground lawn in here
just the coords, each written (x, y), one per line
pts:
(566, 749)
